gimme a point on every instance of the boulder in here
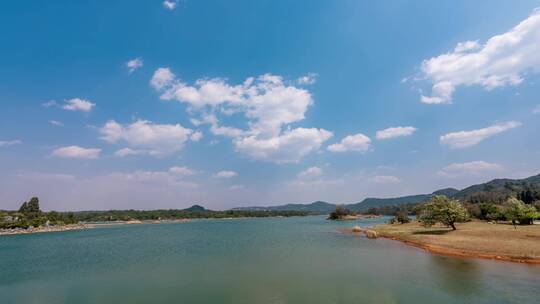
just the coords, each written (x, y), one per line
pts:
(371, 234)
(356, 229)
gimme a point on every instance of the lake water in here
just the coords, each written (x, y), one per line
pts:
(271, 260)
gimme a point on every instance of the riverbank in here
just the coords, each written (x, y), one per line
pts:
(43, 229)
(473, 239)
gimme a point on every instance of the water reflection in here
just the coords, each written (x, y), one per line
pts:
(456, 276)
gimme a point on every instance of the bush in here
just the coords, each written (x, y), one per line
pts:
(401, 217)
(339, 213)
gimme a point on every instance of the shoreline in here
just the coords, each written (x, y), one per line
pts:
(91, 225)
(476, 240)
(462, 254)
(71, 227)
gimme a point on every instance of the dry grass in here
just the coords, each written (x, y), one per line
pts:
(472, 239)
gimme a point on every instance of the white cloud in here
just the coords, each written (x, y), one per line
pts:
(310, 172)
(468, 168)
(307, 79)
(182, 171)
(134, 64)
(76, 152)
(225, 174)
(385, 179)
(464, 139)
(170, 4)
(162, 78)
(358, 142)
(7, 143)
(156, 139)
(196, 136)
(267, 102)
(395, 132)
(289, 147)
(536, 110)
(56, 123)
(78, 104)
(503, 60)
(127, 152)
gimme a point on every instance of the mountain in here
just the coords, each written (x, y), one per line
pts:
(495, 190)
(501, 187)
(446, 192)
(379, 202)
(315, 207)
(196, 208)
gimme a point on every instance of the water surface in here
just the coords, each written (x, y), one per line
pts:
(271, 260)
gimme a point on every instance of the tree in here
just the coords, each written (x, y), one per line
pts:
(441, 209)
(516, 211)
(339, 213)
(401, 217)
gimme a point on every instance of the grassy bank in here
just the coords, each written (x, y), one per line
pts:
(473, 239)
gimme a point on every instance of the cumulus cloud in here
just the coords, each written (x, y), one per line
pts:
(385, 179)
(267, 102)
(78, 104)
(170, 4)
(225, 174)
(291, 146)
(395, 132)
(536, 110)
(7, 143)
(154, 139)
(77, 152)
(134, 64)
(464, 139)
(468, 168)
(310, 172)
(502, 60)
(358, 142)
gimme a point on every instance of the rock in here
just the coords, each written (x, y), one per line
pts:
(371, 234)
(356, 229)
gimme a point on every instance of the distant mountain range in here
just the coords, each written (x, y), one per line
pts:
(501, 187)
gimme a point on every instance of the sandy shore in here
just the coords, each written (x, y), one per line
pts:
(473, 239)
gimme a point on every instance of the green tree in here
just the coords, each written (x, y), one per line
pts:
(441, 209)
(518, 212)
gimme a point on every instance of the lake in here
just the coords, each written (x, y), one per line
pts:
(265, 260)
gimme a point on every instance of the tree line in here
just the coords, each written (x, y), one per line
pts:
(30, 215)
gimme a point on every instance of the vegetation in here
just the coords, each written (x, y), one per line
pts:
(339, 213)
(517, 211)
(30, 215)
(401, 217)
(441, 209)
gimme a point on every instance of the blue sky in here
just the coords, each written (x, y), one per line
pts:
(163, 104)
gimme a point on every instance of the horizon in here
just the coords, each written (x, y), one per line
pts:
(276, 204)
(162, 106)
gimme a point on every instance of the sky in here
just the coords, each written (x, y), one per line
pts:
(165, 104)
